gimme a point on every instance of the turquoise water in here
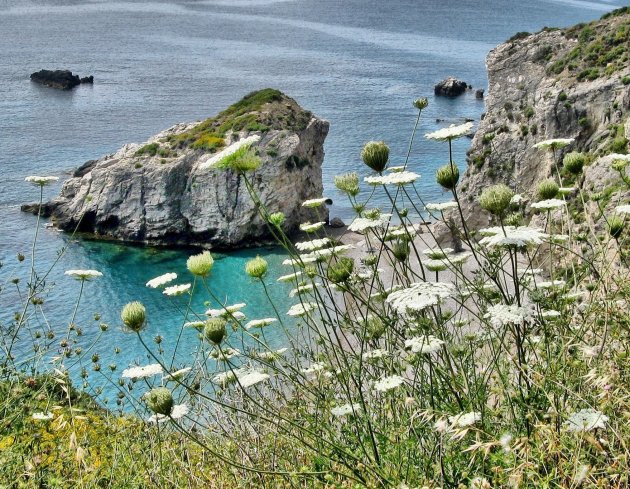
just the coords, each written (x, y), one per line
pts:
(357, 63)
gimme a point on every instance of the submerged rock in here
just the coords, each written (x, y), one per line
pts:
(60, 79)
(450, 87)
(157, 193)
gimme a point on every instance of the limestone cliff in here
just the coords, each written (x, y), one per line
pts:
(558, 83)
(156, 192)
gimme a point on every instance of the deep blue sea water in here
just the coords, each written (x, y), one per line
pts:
(357, 63)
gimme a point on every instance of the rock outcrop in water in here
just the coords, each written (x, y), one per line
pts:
(450, 87)
(60, 79)
(569, 83)
(156, 193)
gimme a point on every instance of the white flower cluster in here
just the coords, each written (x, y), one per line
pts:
(623, 209)
(216, 160)
(424, 344)
(142, 372)
(345, 409)
(554, 143)
(314, 202)
(179, 411)
(308, 227)
(362, 224)
(502, 314)
(451, 132)
(395, 178)
(388, 383)
(586, 420)
(312, 245)
(83, 274)
(227, 311)
(299, 310)
(420, 296)
(518, 236)
(41, 181)
(175, 290)
(549, 204)
(162, 280)
(260, 323)
(464, 420)
(292, 277)
(442, 206)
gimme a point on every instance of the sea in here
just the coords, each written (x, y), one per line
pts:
(357, 63)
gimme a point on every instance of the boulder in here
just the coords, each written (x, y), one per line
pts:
(336, 222)
(479, 93)
(450, 87)
(159, 192)
(60, 79)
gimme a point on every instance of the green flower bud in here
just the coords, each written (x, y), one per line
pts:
(615, 226)
(374, 327)
(257, 267)
(348, 183)
(277, 219)
(310, 271)
(547, 189)
(214, 330)
(421, 103)
(133, 316)
(370, 260)
(375, 155)
(401, 251)
(574, 161)
(372, 213)
(358, 208)
(514, 219)
(160, 400)
(340, 272)
(496, 199)
(619, 165)
(200, 264)
(448, 176)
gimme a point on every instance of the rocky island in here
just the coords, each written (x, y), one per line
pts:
(60, 79)
(158, 192)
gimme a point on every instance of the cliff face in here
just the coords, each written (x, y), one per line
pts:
(156, 192)
(570, 83)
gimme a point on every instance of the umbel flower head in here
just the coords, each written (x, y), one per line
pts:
(341, 271)
(574, 161)
(421, 103)
(375, 154)
(134, 315)
(448, 176)
(451, 132)
(214, 330)
(257, 267)
(83, 275)
(160, 400)
(547, 189)
(615, 226)
(277, 219)
(348, 183)
(201, 264)
(40, 181)
(554, 144)
(496, 199)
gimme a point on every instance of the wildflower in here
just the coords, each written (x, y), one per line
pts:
(447, 176)
(424, 344)
(260, 323)
(566, 190)
(43, 416)
(314, 368)
(142, 372)
(623, 209)
(553, 143)
(257, 267)
(225, 354)
(269, 356)
(615, 226)
(420, 296)
(464, 420)
(219, 160)
(201, 264)
(175, 290)
(314, 202)
(302, 289)
(549, 204)
(517, 236)
(421, 103)
(505, 442)
(451, 132)
(299, 310)
(435, 265)
(291, 277)
(160, 400)
(441, 207)
(586, 420)
(312, 245)
(437, 253)
(550, 284)
(134, 315)
(398, 178)
(397, 169)
(214, 330)
(361, 224)
(341, 271)
(480, 483)
(83, 275)
(388, 383)
(516, 199)
(308, 227)
(225, 311)
(156, 282)
(374, 354)
(375, 154)
(348, 183)
(496, 199)
(178, 411)
(345, 409)
(550, 314)
(547, 189)
(300, 261)
(224, 379)
(502, 315)
(573, 162)
(198, 325)
(277, 219)
(40, 181)
(178, 374)
(441, 425)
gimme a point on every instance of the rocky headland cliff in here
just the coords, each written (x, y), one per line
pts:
(558, 83)
(158, 192)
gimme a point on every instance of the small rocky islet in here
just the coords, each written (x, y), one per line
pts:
(60, 79)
